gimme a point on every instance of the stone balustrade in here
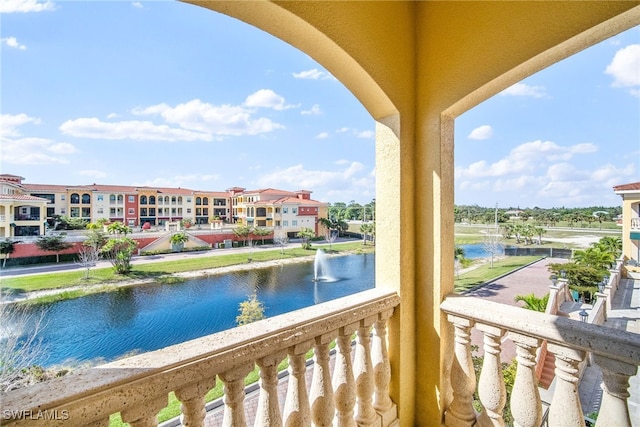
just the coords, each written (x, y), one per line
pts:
(616, 352)
(137, 387)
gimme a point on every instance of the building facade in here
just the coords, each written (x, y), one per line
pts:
(630, 194)
(41, 204)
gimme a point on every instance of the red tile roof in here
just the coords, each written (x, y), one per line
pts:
(625, 187)
(22, 197)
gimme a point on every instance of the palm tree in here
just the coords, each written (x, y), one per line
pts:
(610, 244)
(531, 302)
(594, 257)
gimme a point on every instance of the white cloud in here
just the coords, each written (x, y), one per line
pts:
(524, 158)
(482, 132)
(322, 135)
(191, 121)
(625, 68)
(24, 6)
(342, 130)
(92, 173)
(365, 134)
(351, 175)
(10, 122)
(313, 74)
(312, 111)
(267, 98)
(137, 4)
(188, 181)
(522, 89)
(12, 42)
(34, 151)
(132, 129)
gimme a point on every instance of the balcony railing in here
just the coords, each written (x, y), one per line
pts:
(137, 387)
(616, 352)
(635, 223)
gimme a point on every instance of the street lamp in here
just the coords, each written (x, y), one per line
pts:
(554, 279)
(601, 286)
(563, 274)
(583, 315)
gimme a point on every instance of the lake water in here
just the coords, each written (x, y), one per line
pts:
(149, 317)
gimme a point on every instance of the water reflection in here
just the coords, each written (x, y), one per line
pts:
(149, 317)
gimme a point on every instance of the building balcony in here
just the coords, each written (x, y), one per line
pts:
(355, 391)
(635, 224)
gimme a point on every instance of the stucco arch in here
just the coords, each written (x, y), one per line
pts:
(298, 25)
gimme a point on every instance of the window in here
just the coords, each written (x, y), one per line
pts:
(285, 223)
(285, 210)
(143, 200)
(205, 200)
(294, 210)
(75, 212)
(152, 211)
(132, 199)
(63, 211)
(75, 198)
(131, 211)
(86, 199)
(143, 211)
(112, 198)
(173, 199)
(189, 211)
(120, 198)
(50, 197)
(86, 212)
(294, 223)
(100, 211)
(198, 201)
(188, 199)
(152, 200)
(100, 197)
(112, 211)
(205, 211)
(63, 197)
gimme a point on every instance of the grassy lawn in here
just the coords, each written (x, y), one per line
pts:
(159, 271)
(485, 273)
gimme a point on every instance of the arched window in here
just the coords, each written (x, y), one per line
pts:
(198, 201)
(166, 199)
(75, 198)
(112, 198)
(179, 200)
(205, 201)
(86, 199)
(143, 200)
(120, 198)
(173, 199)
(152, 200)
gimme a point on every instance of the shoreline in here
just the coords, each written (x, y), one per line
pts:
(186, 275)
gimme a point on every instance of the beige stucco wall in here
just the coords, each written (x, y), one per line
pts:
(415, 66)
(630, 209)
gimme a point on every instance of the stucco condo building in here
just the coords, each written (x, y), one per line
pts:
(27, 209)
(630, 194)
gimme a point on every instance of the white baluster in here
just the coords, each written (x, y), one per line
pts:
(363, 372)
(565, 407)
(268, 413)
(381, 366)
(234, 395)
(192, 398)
(614, 410)
(321, 396)
(526, 407)
(491, 387)
(146, 414)
(463, 377)
(296, 405)
(343, 380)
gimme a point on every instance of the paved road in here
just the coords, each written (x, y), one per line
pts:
(137, 260)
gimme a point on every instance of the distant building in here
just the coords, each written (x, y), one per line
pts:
(25, 209)
(630, 219)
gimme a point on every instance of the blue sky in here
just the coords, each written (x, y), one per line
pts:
(169, 94)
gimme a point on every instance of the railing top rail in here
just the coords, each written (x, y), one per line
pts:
(608, 342)
(183, 364)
